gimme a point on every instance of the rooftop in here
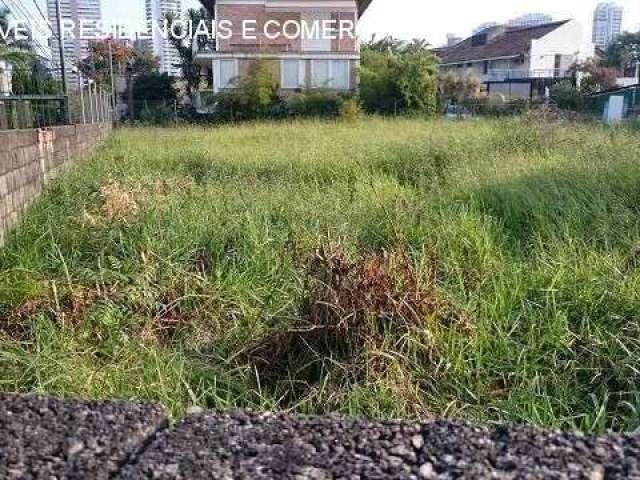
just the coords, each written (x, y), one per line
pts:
(362, 5)
(501, 42)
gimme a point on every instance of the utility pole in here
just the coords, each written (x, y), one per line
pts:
(61, 45)
(113, 82)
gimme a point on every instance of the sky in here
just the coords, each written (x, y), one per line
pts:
(408, 19)
(432, 20)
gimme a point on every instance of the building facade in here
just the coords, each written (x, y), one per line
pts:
(299, 63)
(607, 24)
(73, 12)
(530, 20)
(518, 62)
(156, 12)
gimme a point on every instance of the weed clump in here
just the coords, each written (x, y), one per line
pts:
(353, 311)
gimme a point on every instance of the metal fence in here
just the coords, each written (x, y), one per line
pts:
(36, 101)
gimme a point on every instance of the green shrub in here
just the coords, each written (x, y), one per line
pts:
(398, 82)
(316, 104)
(258, 89)
(350, 110)
(159, 114)
(567, 96)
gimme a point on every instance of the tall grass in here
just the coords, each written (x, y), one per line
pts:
(158, 268)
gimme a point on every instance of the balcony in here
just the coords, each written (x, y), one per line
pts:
(524, 74)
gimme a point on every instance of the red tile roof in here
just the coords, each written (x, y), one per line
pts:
(512, 42)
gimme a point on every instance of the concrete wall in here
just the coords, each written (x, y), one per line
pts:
(29, 159)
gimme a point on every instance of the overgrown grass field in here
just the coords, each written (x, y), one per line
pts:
(391, 268)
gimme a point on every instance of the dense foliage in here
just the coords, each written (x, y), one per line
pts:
(30, 76)
(397, 78)
(155, 98)
(257, 96)
(624, 52)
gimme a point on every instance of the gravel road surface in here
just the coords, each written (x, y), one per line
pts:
(53, 439)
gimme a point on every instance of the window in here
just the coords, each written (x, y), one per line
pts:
(227, 73)
(320, 73)
(316, 42)
(334, 74)
(557, 65)
(291, 74)
(340, 74)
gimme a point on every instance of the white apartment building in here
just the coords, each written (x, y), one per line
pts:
(607, 24)
(156, 12)
(89, 12)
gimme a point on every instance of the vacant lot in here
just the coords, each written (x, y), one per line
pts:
(398, 268)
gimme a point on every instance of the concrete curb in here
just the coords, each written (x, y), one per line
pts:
(46, 438)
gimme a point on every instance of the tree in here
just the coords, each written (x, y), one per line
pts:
(138, 63)
(191, 71)
(416, 80)
(35, 79)
(567, 96)
(127, 61)
(97, 65)
(624, 52)
(384, 45)
(397, 79)
(389, 44)
(155, 97)
(13, 50)
(259, 88)
(455, 88)
(594, 76)
(29, 74)
(417, 45)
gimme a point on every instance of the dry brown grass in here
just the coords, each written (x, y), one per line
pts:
(355, 313)
(118, 201)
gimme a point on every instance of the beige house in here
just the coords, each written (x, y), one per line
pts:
(267, 29)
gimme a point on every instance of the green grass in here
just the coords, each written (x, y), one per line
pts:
(151, 270)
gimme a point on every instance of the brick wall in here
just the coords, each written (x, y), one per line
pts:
(236, 14)
(258, 13)
(29, 159)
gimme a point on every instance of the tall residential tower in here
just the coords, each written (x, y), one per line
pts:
(73, 12)
(156, 12)
(607, 24)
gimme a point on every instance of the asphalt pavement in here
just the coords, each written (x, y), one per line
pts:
(42, 438)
